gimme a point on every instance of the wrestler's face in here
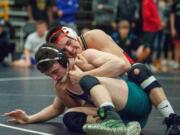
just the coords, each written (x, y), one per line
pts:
(71, 46)
(56, 72)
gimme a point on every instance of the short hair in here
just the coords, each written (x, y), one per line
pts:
(53, 34)
(47, 55)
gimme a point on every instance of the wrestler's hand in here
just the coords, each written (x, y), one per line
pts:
(75, 75)
(18, 116)
(81, 62)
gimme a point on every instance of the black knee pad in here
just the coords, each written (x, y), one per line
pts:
(74, 121)
(145, 79)
(87, 82)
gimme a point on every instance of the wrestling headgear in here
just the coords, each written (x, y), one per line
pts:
(48, 54)
(55, 35)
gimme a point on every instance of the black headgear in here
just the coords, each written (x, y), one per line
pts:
(61, 56)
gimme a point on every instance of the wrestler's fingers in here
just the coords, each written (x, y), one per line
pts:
(11, 120)
(79, 61)
(10, 113)
(80, 56)
(19, 111)
(76, 67)
(13, 113)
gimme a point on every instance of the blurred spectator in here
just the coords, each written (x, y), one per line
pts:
(128, 10)
(161, 36)
(5, 46)
(151, 25)
(66, 11)
(175, 31)
(33, 42)
(40, 10)
(104, 14)
(129, 42)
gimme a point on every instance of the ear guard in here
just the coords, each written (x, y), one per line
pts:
(70, 32)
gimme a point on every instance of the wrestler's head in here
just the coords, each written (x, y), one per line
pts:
(65, 38)
(52, 61)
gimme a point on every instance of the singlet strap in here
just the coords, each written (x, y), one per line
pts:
(84, 42)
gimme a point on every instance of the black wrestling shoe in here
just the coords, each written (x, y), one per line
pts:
(172, 122)
(172, 130)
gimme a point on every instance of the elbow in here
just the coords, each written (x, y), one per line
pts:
(127, 66)
(57, 110)
(123, 66)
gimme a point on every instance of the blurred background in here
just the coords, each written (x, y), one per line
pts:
(148, 30)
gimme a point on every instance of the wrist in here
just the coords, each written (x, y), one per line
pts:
(31, 119)
(83, 74)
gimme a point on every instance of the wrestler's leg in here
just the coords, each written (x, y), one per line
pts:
(75, 118)
(142, 76)
(92, 87)
(111, 121)
(127, 97)
(118, 92)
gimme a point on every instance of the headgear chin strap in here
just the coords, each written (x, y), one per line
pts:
(65, 77)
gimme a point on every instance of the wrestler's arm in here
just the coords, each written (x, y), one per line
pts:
(99, 40)
(51, 111)
(82, 63)
(105, 64)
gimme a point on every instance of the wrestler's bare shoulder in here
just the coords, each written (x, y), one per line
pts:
(93, 33)
(90, 51)
(61, 92)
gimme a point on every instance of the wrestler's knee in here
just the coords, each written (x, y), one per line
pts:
(74, 121)
(143, 77)
(87, 82)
